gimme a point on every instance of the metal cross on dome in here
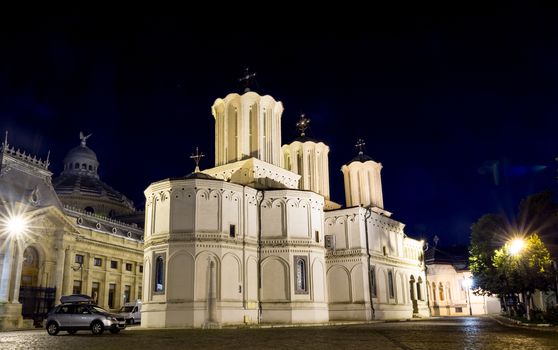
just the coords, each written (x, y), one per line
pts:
(303, 124)
(197, 158)
(360, 146)
(247, 79)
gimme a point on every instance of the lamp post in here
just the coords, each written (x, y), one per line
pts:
(467, 284)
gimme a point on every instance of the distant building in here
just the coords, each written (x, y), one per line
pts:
(450, 284)
(256, 239)
(62, 237)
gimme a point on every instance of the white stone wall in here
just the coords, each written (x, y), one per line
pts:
(347, 267)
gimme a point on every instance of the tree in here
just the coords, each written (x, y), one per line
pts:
(484, 234)
(526, 271)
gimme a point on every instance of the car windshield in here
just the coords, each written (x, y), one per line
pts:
(126, 309)
(99, 309)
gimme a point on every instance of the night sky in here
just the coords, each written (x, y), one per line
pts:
(461, 111)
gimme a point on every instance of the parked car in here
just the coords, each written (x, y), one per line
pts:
(131, 312)
(75, 314)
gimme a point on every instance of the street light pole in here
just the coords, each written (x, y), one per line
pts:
(469, 297)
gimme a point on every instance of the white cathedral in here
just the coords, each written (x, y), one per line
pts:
(256, 239)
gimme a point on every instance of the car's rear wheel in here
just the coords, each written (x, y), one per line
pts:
(72, 331)
(97, 328)
(114, 330)
(52, 328)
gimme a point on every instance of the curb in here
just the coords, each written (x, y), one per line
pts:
(518, 324)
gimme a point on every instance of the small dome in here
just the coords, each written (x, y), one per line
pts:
(79, 184)
(81, 160)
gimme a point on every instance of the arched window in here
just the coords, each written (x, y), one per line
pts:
(159, 274)
(412, 287)
(76, 166)
(433, 291)
(391, 288)
(441, 290)
(89, 210)
(301, 275)
(90, 168)
(448, 290)
(419, 289)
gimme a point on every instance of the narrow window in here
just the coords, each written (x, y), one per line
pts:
(128, 267)
(232, 231)
(139, 293)
(77, 287)
(391, 288)
(301, 275)
(112, 293)
(97, 261)
(433, 291)
(384, 250)
(419, 289)
(141, 268)
(127, 290)
(159, 274)
(441, 290)
(95, 286)
(113, 264)
(317, 236)
(373, 281)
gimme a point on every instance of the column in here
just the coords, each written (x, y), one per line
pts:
(59, 277)
(67, 284)
(18, 266)
(6, 272)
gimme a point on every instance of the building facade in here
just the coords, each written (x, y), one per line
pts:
(256, 239)
(57, 237)
(451, 286)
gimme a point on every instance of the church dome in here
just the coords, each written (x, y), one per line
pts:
(79, 185)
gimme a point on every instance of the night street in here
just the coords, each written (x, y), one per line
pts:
(441, 333)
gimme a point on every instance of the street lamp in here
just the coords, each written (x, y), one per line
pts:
(516, 246)
(467, 282)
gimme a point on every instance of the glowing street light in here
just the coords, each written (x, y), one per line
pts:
(516, 246)
(16, 225)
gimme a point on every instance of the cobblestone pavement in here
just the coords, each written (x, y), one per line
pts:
(438, 333)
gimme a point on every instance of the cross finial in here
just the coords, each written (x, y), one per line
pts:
(247, 79)
(436, 239)
(197, 158)
(303, 124)
(360, 146)
(83, 138)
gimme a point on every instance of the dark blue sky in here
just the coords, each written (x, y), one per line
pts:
(437, 99)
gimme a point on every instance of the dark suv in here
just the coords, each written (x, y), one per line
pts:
(72, 317)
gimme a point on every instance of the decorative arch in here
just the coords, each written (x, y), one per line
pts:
(339, 284)
(275, 279)
(181, 276)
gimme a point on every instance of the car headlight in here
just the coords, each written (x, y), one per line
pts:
(113, 319)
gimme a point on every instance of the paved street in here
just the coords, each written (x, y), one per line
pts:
(441, 333)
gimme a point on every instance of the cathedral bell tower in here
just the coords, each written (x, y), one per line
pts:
(248, 141)
(247, 126)
(363, 182)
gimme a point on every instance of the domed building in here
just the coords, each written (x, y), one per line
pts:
(79, 186)
(85, 239)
